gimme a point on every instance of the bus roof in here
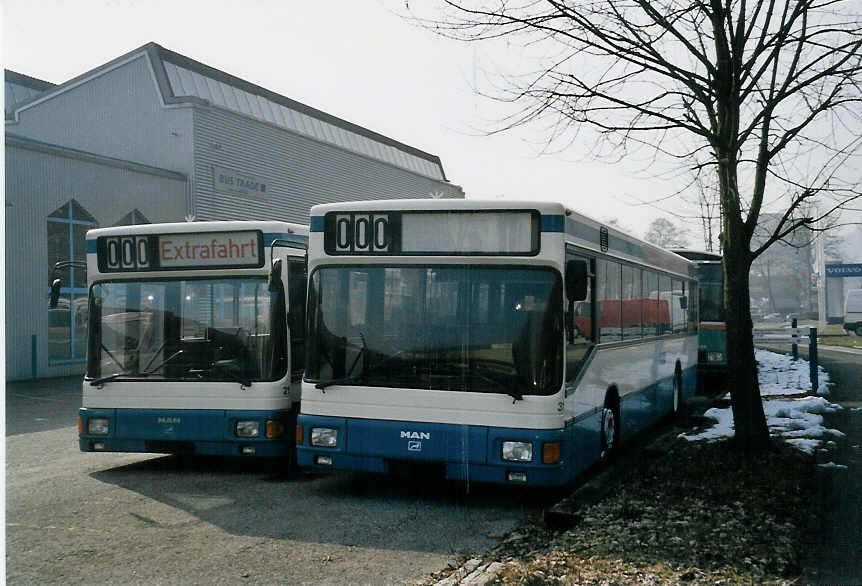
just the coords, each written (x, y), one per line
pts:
(696, 255)
(192, 227)
(555, 218)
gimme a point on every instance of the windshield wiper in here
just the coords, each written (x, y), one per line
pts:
(340, 381)
(103, 379)
(350, 376)
(510, 383)
(360, 376)
(228, 367)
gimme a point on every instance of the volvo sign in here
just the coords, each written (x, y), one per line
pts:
(843, 270)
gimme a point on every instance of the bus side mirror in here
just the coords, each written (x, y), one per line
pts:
(576, 280)
(55, 293)
(683, 302)
(275, 275)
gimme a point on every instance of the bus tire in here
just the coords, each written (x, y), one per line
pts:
(610, 429)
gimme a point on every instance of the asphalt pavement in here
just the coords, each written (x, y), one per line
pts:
(835, 538)
(42, 405)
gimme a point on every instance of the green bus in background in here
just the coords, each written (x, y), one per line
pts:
(712, 337)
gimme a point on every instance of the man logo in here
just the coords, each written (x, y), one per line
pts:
(414, 446)
(417, 435)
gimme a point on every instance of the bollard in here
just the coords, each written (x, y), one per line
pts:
(812, 358)
(34, 363)
(794, 339)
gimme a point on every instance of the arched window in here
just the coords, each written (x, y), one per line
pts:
(67, 261)
(133, 217)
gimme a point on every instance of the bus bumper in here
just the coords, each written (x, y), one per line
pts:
(198, 432)
(462, 452)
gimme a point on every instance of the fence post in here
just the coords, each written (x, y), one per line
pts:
(812, 358)
(794, 339)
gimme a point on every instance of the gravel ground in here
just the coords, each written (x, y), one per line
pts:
(684, 513)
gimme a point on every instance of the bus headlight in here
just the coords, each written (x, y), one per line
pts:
(518, 451)
(247, 429)
(324, 437)
(715, 356)
(97, 426)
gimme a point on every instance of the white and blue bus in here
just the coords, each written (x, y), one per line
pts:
(712, 353)
(503, 342)
(196, 338)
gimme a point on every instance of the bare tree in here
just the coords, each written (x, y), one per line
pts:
(709, 209)
(764, 95)
(662, 232)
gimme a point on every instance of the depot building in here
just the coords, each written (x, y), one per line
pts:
(154, 136)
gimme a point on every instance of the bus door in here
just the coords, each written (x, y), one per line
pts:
(579, 314)
(290, 280)
(297, 279)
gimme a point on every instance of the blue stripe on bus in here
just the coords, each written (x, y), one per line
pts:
(591, 234)
(554, 223)
(316, 224)
(208, 432)
(91, 246)
(467, 452)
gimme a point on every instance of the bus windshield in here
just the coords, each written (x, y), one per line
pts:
(227, 329)
(453, 328)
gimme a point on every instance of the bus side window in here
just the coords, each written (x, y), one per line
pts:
(579, 312)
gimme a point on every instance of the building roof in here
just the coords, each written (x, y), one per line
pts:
(184, 80)
(20, 88)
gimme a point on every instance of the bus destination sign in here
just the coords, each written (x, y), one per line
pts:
(153, 252)
(421, 232)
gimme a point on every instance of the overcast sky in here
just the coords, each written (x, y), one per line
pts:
(359, 61)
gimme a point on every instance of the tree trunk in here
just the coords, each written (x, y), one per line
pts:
(751, 431)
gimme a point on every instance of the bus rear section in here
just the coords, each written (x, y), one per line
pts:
(189, 347)
(712, 344)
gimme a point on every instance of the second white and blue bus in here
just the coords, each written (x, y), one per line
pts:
(712, 351)
(196, 338)
(502, 342)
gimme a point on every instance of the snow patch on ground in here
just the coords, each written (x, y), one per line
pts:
(799, 421)
(779, 374)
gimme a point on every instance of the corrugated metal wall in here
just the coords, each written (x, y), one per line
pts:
(298, 171)
(117, 113)
(38, 183)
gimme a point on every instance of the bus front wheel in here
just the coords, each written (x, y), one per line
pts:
(610, 432)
